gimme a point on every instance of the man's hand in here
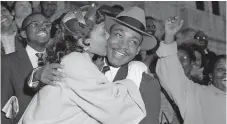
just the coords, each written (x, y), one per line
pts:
(172, 26)
(48, 74)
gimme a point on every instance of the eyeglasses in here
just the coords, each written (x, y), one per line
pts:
(36, 24)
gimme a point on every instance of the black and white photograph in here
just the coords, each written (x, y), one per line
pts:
(113, 62)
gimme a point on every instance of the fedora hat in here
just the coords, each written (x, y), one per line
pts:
(134, 18)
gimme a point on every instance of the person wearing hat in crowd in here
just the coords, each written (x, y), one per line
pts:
(198, 104)
(85, 96)
(127, 38)
(18, 65)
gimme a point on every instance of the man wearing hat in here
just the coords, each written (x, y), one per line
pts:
(127, 38)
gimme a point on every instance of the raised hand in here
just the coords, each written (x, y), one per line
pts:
(172, 26)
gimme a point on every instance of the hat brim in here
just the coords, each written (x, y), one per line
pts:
(149, 41)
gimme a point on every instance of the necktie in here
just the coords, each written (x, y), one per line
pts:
(105, 69)
(40, 59)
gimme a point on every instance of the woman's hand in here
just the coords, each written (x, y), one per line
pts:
(172, 26)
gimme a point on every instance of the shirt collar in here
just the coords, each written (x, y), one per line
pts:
(32, 51)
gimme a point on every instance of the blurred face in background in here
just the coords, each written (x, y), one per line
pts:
(22, 9)
(185, 61)
(48, 8)
(219, 74)
(198, 61)
(150, 26)
(6, 17)
(202, 41)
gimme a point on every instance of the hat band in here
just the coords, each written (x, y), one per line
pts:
(132, 21)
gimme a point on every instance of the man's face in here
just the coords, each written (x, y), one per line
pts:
(219, 75)
(151, 28)
(38, 29)
(6, 17)
(202, 41)
(123, 45)
(48, 8)
(185, 61)
(22, 9)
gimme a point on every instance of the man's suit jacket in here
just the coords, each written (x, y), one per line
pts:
(15, 69)
(150, 90)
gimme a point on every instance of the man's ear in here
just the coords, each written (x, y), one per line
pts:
(23, 34)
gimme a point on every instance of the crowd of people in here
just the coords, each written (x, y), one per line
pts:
(98, 64)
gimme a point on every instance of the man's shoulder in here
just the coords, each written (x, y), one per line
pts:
(137, 65)
(10, 56)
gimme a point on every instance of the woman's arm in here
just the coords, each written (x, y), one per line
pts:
(118, 102)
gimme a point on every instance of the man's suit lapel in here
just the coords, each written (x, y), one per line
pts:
(121, 73)
(25, 67)
(24, 61)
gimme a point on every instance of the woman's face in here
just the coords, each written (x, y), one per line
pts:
(185, 61)
(198, 61)
(98, 40)
(6, 17)
(219, 75)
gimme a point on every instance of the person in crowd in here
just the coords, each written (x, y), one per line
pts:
(86, 96)
(197, 104)
(198, 66)
(20, 10)
(202, 41)
(48, 8)
(18, 65)
(9, 31)
(187, 58)
(123, 45)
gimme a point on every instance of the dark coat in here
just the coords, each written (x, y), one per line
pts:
(15, 70)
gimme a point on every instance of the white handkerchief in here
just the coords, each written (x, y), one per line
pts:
(11, 108)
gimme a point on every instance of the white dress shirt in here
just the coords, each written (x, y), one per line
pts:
(197, 104)
(135, 71)
(31, 54)
(34, 60)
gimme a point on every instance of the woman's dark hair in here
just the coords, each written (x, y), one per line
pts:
(197, 48)
(188, 49)
(69, 42)
(214, 61)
